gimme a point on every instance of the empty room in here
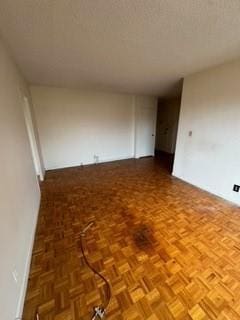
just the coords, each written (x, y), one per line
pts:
(120, 159)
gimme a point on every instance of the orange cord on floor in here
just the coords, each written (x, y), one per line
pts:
(99, 311)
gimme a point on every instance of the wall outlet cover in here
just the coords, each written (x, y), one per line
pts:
(236, 188)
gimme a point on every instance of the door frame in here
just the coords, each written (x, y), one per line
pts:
(32, 138)
(138, 108)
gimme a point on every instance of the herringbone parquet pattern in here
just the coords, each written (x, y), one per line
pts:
(170, 251)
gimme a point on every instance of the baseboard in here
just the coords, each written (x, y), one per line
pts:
(104, 160)
(215, 194)
(27, 269)
(138, 156)
(116, 159)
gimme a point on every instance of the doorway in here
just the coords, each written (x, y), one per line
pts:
(145, 130)
(166, 131)
(32, 139)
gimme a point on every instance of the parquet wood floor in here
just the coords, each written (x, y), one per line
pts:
(169, 250)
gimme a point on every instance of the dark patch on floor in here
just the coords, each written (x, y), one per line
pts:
(143, 236)
(142, 232)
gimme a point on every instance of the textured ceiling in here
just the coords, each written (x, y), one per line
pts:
(136, 46)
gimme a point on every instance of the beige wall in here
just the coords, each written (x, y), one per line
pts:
(76, 125)
(19, 191)
(210, 108)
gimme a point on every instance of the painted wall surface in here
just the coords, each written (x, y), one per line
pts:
(167, 124)
(210, 109)
(82, 127)
(19, 191)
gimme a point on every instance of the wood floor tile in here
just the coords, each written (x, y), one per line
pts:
(169, 250)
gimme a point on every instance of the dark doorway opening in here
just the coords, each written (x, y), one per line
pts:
(166, 131)
(165, 160)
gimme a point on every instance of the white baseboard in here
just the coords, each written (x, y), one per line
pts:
(216, 194)
(23, 290)
(116, 159)
(69, 165)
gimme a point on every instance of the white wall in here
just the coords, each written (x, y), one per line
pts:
(75, 125)
(19, 191)
(210, 108)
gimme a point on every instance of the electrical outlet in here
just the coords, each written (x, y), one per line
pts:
(236, 188)
(15, 275)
